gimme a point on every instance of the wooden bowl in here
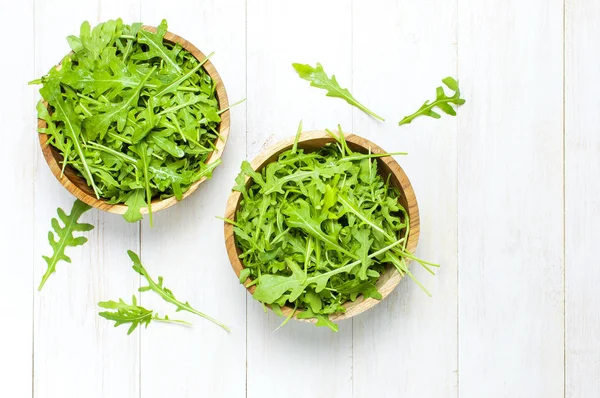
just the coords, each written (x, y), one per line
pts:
(77, 185)
(311, 141)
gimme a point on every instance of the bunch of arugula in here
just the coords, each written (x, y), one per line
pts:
(136, 116)
(317, 230)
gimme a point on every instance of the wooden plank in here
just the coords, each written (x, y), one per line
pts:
(77, 353)
(187, 246)
(17, 118)
(280, 33)
(510, 206)
(582, 193)
(407, 345)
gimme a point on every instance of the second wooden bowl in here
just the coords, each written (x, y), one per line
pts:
(77, 185)
(311, 141)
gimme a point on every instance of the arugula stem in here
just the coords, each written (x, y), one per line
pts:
(298, 132)
(166, 320)
(231, 106)
(351, 265)
(372, 155)
(287, 319)
(227, 220)
(119, 138)
(113, 152)
(411, 276)
(367, 110)
(423, 111)
(65, 161)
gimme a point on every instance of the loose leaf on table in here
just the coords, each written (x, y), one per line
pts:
(442, 101)
(132, 314)
(62, 236)
(164, 292)
(318, 78)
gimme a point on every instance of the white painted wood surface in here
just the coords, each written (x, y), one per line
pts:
(510, 199)
(508, 193)
(582, 199)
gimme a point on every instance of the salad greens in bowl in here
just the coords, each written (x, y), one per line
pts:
(322, 226)
(133, 119)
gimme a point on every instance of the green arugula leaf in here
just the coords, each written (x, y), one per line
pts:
(442, 101)
(98, 124)
(165, 293)
(364, 247)
(154, 41)
(300, 217)
(132, 314)
(134, 203)
(62, 236)
(318, 78)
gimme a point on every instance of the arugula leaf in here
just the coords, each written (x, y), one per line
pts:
(442, 101)
(318, 78)
(300, 217)
(132, 314)
(65, 236)
(165, 293)
(156, 46)
(134, 203)
(98, 124)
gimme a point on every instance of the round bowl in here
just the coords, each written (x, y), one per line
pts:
(311, 141)
(77, 185)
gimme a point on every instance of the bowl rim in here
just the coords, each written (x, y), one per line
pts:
(389, 279)
(158, 204)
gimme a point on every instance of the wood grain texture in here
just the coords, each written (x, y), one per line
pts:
(279, 34)
(77, 185)
(510, 205)
(582, 199)
(407, 346)
(17, 153)
(186, 244)
(77, 353)
(390, 171)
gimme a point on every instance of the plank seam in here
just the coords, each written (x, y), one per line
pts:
(564, 200)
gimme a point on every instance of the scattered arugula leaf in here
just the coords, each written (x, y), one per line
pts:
(131, 113)
(318, 78)
(317, 230)
(65, 237)
(442, 101)
(132, 314)
(164, 292)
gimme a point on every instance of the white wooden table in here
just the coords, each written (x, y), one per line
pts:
(509, 193)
